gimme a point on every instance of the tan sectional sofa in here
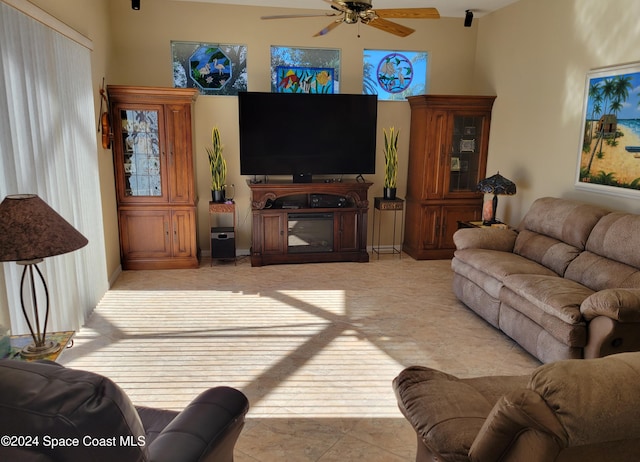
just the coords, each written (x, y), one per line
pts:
(564, 284)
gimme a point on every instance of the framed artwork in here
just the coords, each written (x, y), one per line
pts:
(305, 70)
(468, 145)
(212, 68)
(394, 75)
(455, 164)
(609, 155)
(294, 79)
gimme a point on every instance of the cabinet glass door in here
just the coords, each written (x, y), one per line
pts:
(465, 153)
(141, 153)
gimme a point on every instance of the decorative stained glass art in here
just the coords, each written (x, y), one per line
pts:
(394, 75)
(214, 69)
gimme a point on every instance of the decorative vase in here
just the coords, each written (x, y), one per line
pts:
(389, 193)
(217, 195)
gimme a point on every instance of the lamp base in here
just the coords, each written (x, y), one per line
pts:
(33, 351)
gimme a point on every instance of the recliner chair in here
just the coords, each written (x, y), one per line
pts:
(574, 410)
(52, 413)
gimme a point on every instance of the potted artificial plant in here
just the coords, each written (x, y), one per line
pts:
(391, 162)
(217, 166)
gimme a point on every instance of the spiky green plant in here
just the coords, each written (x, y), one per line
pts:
(217, 164)
(390, 157)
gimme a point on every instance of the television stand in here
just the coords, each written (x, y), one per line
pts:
(309, 222)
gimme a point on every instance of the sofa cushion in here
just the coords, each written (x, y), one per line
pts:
(600, 411)
(552, 253)
(598, 273)
(616, 237)
(495, 264)
(553, 303)
(555, 296)
(611, 258)
(576, 410)
(564, 220)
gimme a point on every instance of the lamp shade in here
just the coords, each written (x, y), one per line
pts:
(30, 230)
(498, 185)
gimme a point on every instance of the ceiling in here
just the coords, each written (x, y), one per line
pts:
(447, 8)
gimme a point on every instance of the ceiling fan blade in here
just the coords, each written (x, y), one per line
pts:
(391, 27)
(329, 28)
(409, 13)
(290, 16)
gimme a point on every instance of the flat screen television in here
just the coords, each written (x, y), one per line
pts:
(307, 134)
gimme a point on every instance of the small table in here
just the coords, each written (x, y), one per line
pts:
(217, 208)
(18, 342)
(388, 205)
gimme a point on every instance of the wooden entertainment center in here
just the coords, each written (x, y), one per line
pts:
(309, 222)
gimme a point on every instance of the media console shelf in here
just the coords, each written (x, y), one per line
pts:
(309, 222)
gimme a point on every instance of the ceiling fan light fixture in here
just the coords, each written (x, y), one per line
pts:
(362, 5)
(367, 16)
(351, 17)
(468, 18)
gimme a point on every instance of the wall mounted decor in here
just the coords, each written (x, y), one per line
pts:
(394, 75)
(609, 155)
(305, 70)
(294, 79)
(214, 69)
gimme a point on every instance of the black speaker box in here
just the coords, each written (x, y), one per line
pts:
(223, 242)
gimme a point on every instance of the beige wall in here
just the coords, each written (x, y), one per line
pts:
(535, 55)
(143, 57)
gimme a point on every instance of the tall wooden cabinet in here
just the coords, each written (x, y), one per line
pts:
(447, 158)
(154, 173)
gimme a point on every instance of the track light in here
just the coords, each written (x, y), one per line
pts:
(135, 4)
(468, 18)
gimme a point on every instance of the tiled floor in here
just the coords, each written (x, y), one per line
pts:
(314, 347)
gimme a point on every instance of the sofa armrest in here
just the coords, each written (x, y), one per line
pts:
(520, 422)
(485, 238)
(613, 317)
(446, 412)
(622, 305)
(206, 430)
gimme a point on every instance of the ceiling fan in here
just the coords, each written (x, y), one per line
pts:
(352, 12)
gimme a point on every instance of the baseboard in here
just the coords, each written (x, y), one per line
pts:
(114, 276)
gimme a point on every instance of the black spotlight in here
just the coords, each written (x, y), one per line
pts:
(135, 5)
(468, 18)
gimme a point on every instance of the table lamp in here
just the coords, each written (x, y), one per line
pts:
(30, 230)
(496, 185)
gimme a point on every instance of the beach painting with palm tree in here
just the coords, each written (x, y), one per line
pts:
(610, 137)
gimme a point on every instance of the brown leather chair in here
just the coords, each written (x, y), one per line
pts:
(573, 410)
(53, 413)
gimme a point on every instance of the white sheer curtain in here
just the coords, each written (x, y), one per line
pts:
(48, 147)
